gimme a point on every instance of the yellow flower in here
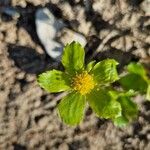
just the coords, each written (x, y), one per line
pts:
(83, 83)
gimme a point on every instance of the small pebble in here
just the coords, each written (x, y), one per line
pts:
(47, 26)
(146, 7)
(10, 11)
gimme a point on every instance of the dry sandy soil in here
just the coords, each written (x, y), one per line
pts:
(119, 29)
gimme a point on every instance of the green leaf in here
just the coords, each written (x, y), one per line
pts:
(103, 104)
(136, 68)
(115, 94)
(90, 65)
(121, 121)
(134, 81)
(73, 57)
(105, 71)
(148, 93)
(54, 81)
(129, 108)
(71, 108)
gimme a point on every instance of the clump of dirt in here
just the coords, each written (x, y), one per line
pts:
(28, 116)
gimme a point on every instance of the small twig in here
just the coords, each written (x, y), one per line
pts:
(102, 45)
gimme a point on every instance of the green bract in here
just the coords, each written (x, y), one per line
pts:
(91, 84)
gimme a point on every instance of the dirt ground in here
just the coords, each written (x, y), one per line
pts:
(118, 29)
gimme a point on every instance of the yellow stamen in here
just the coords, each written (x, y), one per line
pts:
(83, 83)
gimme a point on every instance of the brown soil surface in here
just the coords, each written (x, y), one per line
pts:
(119, 29)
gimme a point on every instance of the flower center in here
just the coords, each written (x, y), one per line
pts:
(83, 83)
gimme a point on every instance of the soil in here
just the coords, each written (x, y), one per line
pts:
(28, 115)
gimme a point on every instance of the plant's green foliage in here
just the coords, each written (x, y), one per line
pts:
(121, 121)
(134, 81)
(90, 65)
(103, 104)
(71, 108)
(54, 81)
(148, 93)
(115, 94)
(129, 108)
(105, 71)
(92, 84)
(136, 68)
(129, 93)
(73, 57)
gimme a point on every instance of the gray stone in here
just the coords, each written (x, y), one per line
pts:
(11, 12)
(47, 26)
(146, 7)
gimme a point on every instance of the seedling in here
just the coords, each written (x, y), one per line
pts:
(92, 84)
